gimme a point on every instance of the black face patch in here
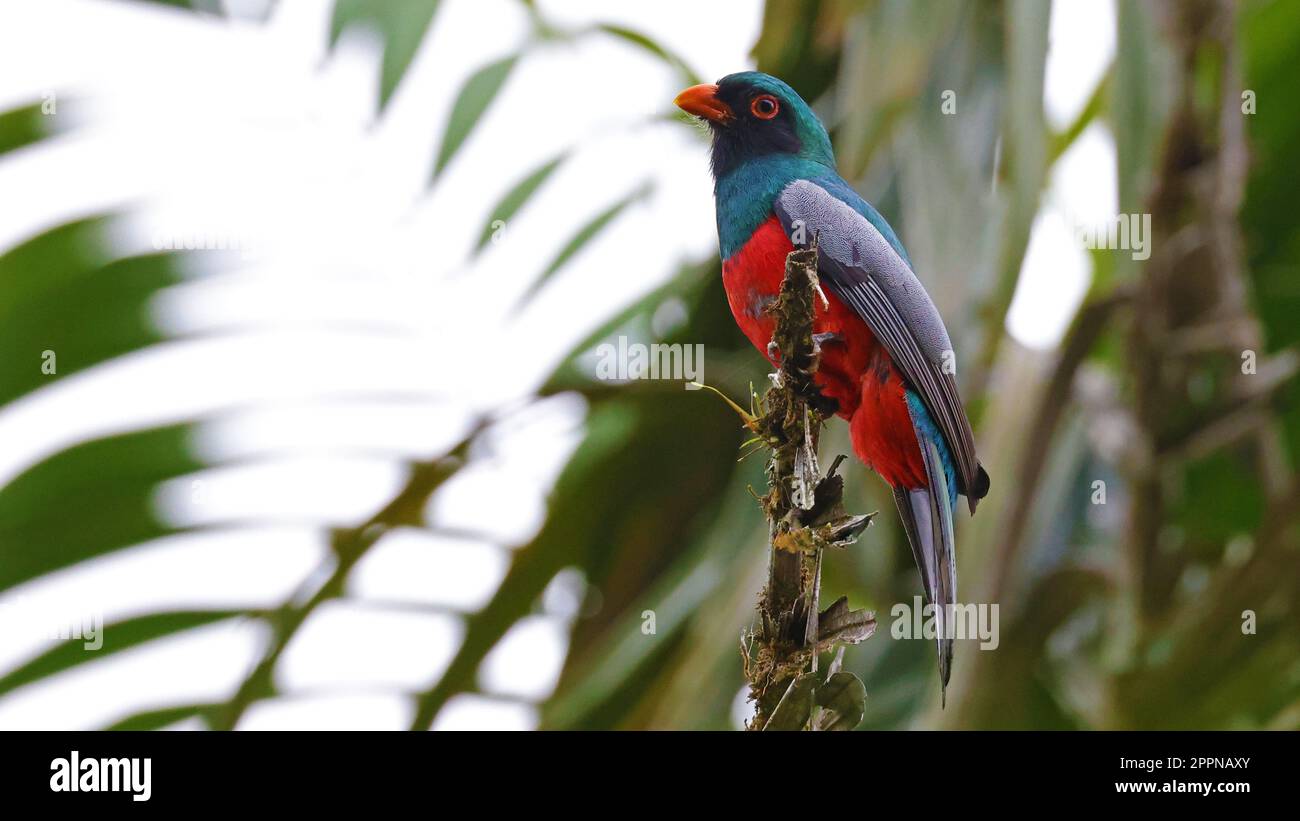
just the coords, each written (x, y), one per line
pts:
(748, 136)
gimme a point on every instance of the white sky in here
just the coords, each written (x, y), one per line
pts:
(256, 133)
(1083, 187)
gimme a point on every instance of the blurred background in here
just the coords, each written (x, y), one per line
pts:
(299, 418)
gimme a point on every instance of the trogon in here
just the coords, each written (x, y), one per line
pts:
(887, 364)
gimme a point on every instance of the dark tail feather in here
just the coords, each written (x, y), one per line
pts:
(927, 518)
(979, 491)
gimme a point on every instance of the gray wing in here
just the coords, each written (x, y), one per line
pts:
(868, 275)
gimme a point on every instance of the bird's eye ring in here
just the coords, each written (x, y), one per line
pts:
(764, 106)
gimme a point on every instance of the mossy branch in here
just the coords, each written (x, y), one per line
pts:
(348, 546)
(805, 516)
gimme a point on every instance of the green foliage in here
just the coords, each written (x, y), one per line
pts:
(473, 100)
(22, 126)
(582, 237)
(516, 197)
(636, 38)
(67, 291)
(125, 635)
(61, 295)
(401, 27)
(113, 478)
(655, 508)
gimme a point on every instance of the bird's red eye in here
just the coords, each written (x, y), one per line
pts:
(764, 106)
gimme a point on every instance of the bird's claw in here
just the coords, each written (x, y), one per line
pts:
(801, 379)
(826, 338)
(805, 388)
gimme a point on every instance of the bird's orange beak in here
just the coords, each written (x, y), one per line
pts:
(702, 101)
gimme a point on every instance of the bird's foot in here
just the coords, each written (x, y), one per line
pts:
(819, 402)
(801, 374)
(820, 340)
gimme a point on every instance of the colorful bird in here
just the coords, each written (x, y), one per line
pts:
(887, 363)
